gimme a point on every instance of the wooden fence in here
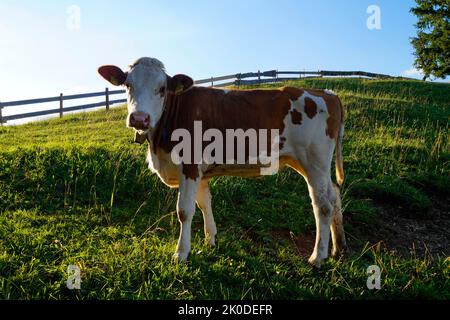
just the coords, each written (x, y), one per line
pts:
(273, 76)
(61, 98)
(238, 79)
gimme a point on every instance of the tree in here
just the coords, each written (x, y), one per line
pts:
(432, 43)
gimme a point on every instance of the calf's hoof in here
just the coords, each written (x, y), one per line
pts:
(210, 241)
(180, 257)
(315, 262)
(338, 252)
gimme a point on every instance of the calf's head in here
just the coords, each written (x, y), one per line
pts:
(147, 86)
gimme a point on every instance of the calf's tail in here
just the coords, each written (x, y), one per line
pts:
(339, 158)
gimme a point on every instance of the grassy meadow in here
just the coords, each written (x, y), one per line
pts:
(76, 191)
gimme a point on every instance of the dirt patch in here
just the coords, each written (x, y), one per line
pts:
(406, 235)
(396, 230)
(304, 243)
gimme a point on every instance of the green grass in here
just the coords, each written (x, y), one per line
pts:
(77, 191)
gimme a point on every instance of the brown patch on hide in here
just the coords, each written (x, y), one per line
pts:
(182, 215)
(282, 141)
(335, 112)
(293, 93)
(236, 109)
(310, 108)
(190, 171)
(296, 117)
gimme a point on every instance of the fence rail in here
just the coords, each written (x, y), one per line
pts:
(271, 76)
(61, 110)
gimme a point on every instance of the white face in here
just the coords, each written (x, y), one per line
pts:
(146, 88)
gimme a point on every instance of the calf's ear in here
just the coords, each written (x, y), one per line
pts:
(113, 74)
(179, 83)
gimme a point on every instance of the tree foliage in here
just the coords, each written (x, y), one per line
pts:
(432, 43)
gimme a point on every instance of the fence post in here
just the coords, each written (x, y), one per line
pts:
(107, 98)
(212, 82)
(1, 116)
(61, 99)
(259, 77)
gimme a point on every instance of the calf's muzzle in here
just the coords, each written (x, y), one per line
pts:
(139, 120)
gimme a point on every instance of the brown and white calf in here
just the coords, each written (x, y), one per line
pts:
(310, 125)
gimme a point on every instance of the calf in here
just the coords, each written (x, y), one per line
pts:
(289, 126)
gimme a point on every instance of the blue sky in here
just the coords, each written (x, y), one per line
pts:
(41, 56)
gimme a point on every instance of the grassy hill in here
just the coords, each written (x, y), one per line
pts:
(77, 191)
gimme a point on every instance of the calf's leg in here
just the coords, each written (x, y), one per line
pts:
(318, 186)
(185, 210)
(337, 227)
(204, 203)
